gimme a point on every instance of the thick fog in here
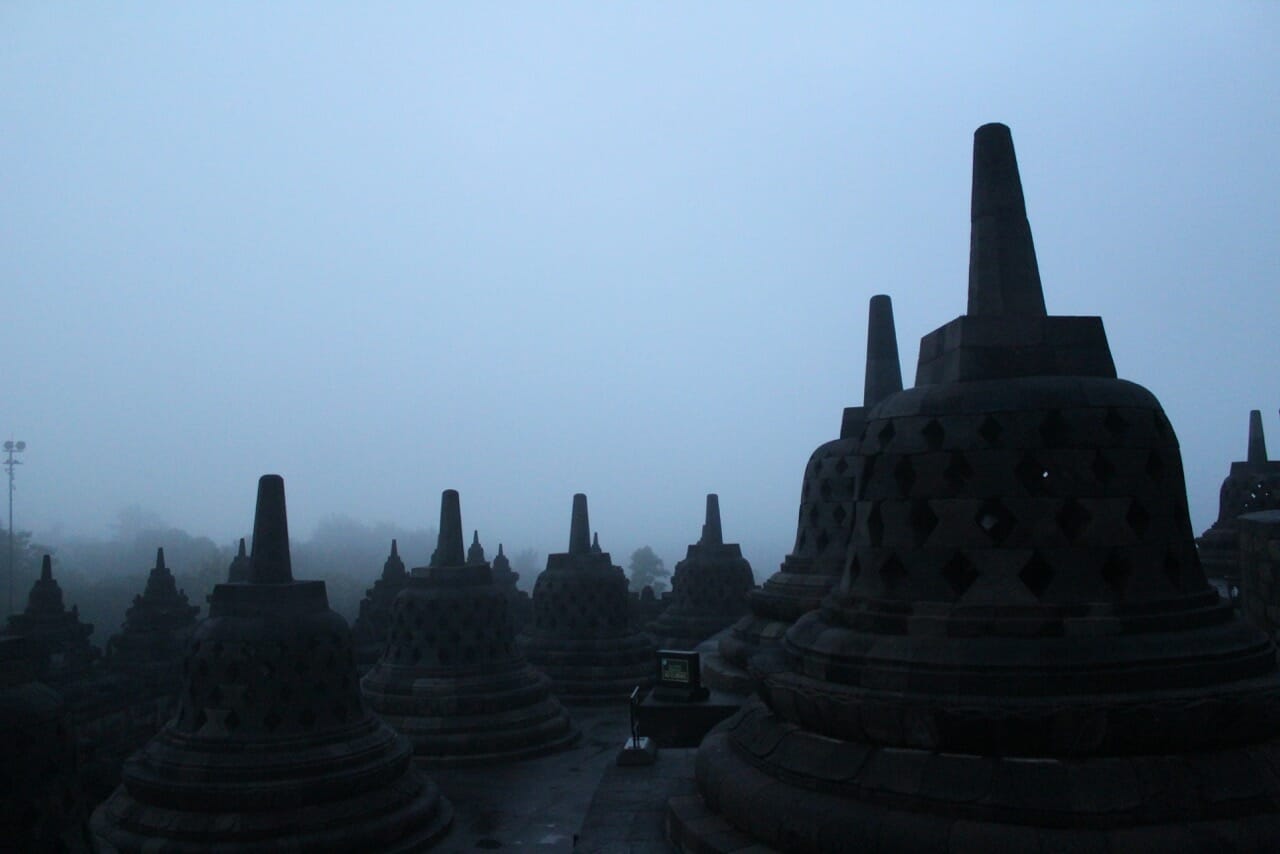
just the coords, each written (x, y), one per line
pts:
(527, 250)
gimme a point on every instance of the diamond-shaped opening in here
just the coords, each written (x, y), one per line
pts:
(1036, 574)
(1032, 474)
(842, 465)
(1173, 571)
(875, 526)
(817, 466)
(959, 573)
(958, 471)
(904, 474)
(1115, 423)
(892, 573)
(1116, 571)
(990, 430)
(839, 514)
(922, 520)
(1138, 518)
(1073, 518)
(1053, 428)
(825, 490)
(1155, 466)
(1103, 470)
(886, 434)
(933, 434)
(995, 519)
(824, 540)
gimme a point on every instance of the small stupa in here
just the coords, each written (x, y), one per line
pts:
(1023, 653)
(826, 521)
(239, 570)
(581, 635)
(452, 679)
(272, 747)
(370, 629)
(57, 640)
(150, 646)
(1252, 486)
(519, 605)
(708, 588)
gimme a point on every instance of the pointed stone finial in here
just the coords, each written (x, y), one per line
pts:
(579, 527)
(711, 533)
(475, 554)
(1004, 279)
(1257, 440)
(241, 553)
(160, 560)
(46, 568)
(884, 372)
(500, 554)
(270, 557)
(395, 551)
(595, 544)
(449, 550)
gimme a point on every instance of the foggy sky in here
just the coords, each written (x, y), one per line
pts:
(525, 250)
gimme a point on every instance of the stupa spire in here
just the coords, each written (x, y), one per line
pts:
(270, 557)
(46, 568)
(160, 559)
(1004, 279)
(449, 550)
(395, 551)
(241, 552)
(711, 532)
(580, 527)
(883, 372)
(1257, 440)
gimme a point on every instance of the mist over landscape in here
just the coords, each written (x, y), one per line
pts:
(524, 251)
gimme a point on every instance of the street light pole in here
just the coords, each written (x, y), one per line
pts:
(10, 448)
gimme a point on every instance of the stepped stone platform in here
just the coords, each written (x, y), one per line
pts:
(272, 747)
(708, 588)
(581, 635)
(827, 495)
(451, 679)
(1023, 653)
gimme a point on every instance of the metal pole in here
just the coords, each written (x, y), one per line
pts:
(10, 448)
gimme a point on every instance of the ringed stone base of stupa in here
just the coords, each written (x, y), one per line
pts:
(597, 671)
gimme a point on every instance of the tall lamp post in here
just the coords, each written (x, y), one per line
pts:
(10, 448)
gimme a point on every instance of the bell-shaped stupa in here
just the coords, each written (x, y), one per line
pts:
(239, 570)
(150, 646)
(1251, 486)
(519, 605)
(452, 679)
(581, 635)
(1023, 653)
(57, 640)
(272, 747)
(708, 588)
(369, 632)
(826, 521)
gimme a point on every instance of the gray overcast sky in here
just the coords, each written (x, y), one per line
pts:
(524, 249)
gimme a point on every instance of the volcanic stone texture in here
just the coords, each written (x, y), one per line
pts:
(581, 635)
(1023, 653)
(709, 588)
(272, 747)
(452, 679)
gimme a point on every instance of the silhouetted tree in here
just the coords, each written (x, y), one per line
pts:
(646, 570)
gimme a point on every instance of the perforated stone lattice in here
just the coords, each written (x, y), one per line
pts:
(445, 630)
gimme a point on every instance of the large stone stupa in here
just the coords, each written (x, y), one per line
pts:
(1023, 653)
(708, 588)
(57, 640)
(452, 679)
(369, 632)
(581, 634)
(1251, 486)
(150, 646)
(826, 521)
(272, 747)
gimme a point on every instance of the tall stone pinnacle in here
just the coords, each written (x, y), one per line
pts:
(595, 543)
(394, 548)
(711, 533)
(449, 550)
(580, 527)
(270, 556)
(46, 568)
(1257, 440)
(1004, 279)
(241, 553)
(160, 559)
(884, 373)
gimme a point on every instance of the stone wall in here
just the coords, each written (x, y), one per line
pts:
(1260, 568)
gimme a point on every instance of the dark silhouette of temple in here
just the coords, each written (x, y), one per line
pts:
(581, 634)
(369, 631)
(826, 521)
(1251, 486)
(708, 588)
(272, 744)
(452, 679)
(1022, 652)
(57, 640)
